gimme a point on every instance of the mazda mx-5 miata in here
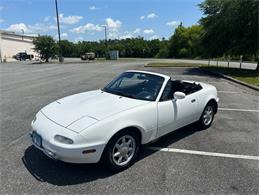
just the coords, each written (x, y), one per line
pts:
(110, 124)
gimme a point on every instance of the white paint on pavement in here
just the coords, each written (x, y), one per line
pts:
(174, 150)
(232, 92)
(239, 110)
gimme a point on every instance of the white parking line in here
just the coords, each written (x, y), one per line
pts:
(204, 153)
(232, 92)
(239, 110)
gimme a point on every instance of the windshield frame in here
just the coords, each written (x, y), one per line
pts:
(114, 92)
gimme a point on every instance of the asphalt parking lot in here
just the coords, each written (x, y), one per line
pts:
(198, 161)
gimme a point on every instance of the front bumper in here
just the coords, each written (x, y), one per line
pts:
(72, 153)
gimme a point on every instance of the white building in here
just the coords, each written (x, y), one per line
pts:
(12, 43)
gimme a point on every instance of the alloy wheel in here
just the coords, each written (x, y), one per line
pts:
(208, 115)
(124, 150)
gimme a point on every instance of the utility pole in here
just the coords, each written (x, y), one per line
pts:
(58, 25)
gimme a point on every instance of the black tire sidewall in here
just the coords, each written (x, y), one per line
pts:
(201, 118)
(107, 155)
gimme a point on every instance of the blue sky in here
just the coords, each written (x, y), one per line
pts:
(84, 19)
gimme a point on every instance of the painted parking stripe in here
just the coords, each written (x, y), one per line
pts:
(239, 110)
(231, 92)
(174, 150)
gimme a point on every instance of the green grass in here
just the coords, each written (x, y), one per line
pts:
(173, 64)
(120, 59)
(247, 76)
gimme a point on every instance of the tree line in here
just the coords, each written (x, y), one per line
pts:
(228, 28)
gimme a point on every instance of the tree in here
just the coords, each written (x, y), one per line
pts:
(164, 49)
(67, 48)
(185, 42)
(45, 46)
(230, 27)
(154, 46)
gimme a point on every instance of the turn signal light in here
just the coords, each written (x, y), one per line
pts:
(88, 151)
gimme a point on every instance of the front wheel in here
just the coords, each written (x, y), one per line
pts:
(121, 150)
(207, 116)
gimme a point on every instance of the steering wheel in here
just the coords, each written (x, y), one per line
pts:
(146, 94)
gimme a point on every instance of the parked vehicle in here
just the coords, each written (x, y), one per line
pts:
(110, 124)
(88, 56)
(22, 56)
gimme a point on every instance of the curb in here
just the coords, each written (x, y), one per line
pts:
(231, 79)
(195, 65)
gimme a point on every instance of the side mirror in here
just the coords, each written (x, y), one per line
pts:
(179, 95)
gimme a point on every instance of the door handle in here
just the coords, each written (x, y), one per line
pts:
(193, 100)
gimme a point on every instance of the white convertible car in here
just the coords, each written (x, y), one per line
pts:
(110, 124)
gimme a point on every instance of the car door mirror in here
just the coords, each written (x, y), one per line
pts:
(179, 95)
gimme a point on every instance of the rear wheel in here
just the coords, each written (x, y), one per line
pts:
(121, 150)
(207, 116)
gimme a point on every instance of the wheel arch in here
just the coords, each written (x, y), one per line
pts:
(137, 130)
(132, 128)
(215, 103)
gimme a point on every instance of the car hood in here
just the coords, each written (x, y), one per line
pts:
(77, 112)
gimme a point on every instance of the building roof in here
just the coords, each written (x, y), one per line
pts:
(13, 34)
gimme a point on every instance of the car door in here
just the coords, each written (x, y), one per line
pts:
(186, 110)
(173, 113)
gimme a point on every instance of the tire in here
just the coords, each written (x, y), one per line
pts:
(207, 116)
(125, 146)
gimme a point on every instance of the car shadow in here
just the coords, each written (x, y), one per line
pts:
(192, 71)
(59, 173)
(199, 72)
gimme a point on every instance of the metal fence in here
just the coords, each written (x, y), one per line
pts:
(233, 64)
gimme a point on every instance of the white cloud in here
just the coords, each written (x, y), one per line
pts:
(40, 28)
(113, 24)
(173, 23)
(149, 16)
(148, 31)
(153, 37)
(152, 15)
(1, 20)
(52, 27)
(92, 8)
(64, 34)
(47, 18)
(137, 31)
(36, 28)
(126, 36)
(132, 34)
(18, 27)
(113, 34)
(87, 27)
(69, 19)
(113, 28)
(78, 39)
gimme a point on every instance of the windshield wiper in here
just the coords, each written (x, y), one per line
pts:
(103, 89)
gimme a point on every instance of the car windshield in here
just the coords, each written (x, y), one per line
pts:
(136, 85)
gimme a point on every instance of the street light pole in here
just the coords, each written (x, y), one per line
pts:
(106, 34)
(106, 39)
(58, 25)
(22, 33)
